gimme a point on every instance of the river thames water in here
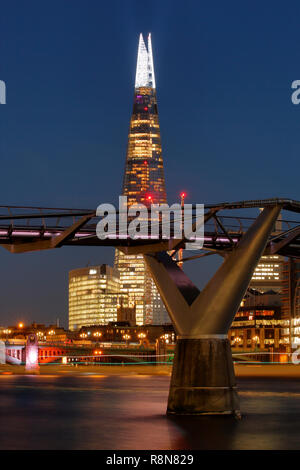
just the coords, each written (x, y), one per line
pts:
(128, 412)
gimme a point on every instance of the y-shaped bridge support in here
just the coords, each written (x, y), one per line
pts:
(203, 380)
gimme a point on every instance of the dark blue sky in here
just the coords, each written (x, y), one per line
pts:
(229, 129)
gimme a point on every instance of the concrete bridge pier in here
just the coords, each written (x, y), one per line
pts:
(203, 380)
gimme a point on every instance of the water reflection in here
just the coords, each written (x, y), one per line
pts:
(205, 432)
(128, 412)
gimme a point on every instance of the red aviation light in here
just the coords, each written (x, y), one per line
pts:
(182, 196)
(145, 162)
(146, 108)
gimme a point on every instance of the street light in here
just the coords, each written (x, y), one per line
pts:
(165, 337)
(97, 334)
(97, 353)
(127, 338)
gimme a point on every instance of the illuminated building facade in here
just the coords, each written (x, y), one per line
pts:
(93, 296)
(259, 328)
(290, 297)
(144, 175)
(143, 183)
(268, 274)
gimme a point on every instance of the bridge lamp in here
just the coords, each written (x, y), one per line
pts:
(33, 355)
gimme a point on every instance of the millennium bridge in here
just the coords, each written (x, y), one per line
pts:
(203, 380)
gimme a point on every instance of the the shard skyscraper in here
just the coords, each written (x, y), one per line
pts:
(143, 182)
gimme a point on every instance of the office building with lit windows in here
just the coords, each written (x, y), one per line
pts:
(268, 274)
(290, 297)
(260, 322)
(93, 296)
(143, 182)
(260, 327)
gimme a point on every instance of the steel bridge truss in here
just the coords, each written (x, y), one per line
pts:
(25, 228)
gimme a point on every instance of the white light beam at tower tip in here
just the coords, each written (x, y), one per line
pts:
(145, 68)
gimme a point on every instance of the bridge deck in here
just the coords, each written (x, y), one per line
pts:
(28, 228)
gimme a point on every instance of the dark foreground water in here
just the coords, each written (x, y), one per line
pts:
(128, 412)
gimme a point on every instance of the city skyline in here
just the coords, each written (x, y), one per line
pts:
(149, 228)
(220, 108)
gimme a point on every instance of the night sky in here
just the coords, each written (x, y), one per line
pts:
(229, 129)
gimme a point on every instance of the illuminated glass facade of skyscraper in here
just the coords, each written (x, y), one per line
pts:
(143, 182)
(93, 296)
(144, 175)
